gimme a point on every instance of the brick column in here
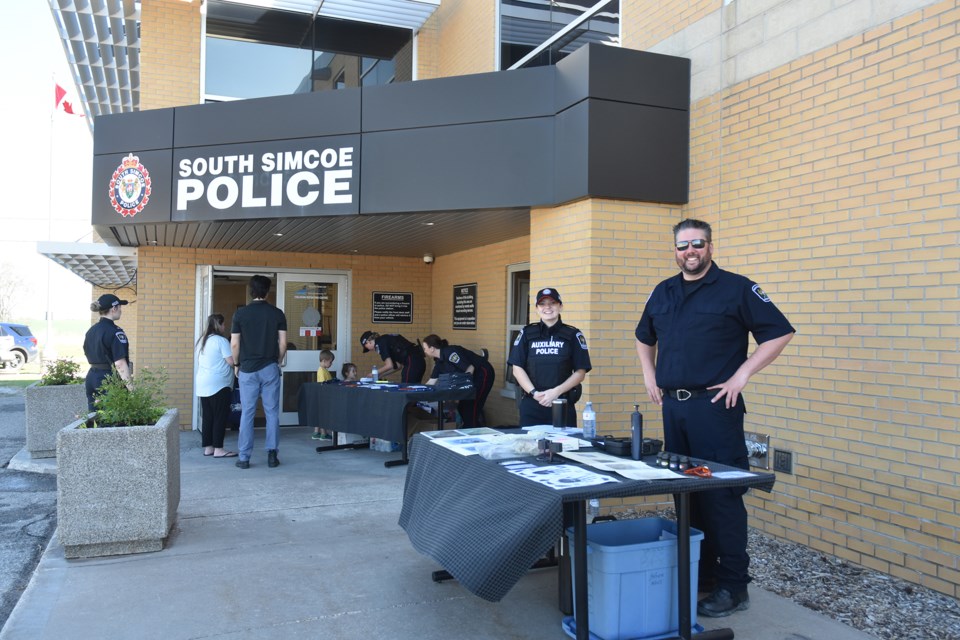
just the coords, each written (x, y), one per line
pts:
(605, 257)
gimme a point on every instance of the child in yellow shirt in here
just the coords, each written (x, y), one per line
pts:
(323, 375)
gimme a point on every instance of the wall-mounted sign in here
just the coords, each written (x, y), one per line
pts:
(310, 176)
(390, 307)
(465, 306)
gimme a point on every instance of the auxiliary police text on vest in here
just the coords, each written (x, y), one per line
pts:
(546, 347)
(271, 184)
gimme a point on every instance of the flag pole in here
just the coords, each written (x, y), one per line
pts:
(49, 352)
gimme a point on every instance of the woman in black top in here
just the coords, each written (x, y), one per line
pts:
(453, 358)
(397, 353)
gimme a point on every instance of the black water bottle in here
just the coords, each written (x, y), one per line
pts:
(636, 431)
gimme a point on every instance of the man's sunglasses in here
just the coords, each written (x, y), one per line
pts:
(699, 243)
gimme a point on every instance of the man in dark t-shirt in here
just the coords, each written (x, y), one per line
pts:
(258, 340)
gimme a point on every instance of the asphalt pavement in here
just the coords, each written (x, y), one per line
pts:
(28, 507)
(310, 549)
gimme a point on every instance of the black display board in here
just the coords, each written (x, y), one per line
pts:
(465, 306)
(392, 307)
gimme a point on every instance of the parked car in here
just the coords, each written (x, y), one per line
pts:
(24, 348)
(6, 349)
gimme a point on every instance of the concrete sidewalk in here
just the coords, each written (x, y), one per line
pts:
(310, 549)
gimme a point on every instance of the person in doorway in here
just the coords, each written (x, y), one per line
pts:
(106, 346)
(258, 342)
(454, 358)
(397, 353)
(550, 359)
(692, 343)
(324, 375)
(214, 385)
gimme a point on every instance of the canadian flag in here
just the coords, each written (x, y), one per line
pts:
(59, 93)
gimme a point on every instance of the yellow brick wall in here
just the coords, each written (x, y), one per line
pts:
(427, 58)
(833, 182)
(605, 263)
(487, 266)
(463, 39)
(167, 290)
(647, 22)
(169, 53)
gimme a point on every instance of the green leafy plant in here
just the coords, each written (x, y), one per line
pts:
(59, 372)
(140, 401)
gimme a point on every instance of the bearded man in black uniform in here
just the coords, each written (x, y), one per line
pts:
(696, 325)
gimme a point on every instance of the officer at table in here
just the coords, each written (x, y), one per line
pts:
(550, 359)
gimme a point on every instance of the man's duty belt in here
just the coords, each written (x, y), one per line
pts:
(686, 394)
(102, 367)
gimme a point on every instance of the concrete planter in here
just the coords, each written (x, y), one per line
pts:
(48, 410)
(118, 488)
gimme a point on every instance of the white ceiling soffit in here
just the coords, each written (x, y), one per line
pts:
(98, 264)
(409, 14)
(102, 42)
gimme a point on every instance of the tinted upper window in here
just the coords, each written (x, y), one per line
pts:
(525, 25)
(255, 52)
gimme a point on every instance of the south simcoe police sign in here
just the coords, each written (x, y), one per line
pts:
(306, 177)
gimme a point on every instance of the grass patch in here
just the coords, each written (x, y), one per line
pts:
(18, 381)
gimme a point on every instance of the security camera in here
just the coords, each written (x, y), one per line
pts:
(428, 258)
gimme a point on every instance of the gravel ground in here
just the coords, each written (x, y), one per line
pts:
(873, 602)
(867, 600)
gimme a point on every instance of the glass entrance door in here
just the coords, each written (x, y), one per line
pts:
(318, 317)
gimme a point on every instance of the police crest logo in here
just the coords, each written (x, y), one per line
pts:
(761, 293)
(454, 358)
(582, 340)
(130, 187)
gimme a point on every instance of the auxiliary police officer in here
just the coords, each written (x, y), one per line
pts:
(697, 325)
(550, 359)
(397, 353)
(105, 345)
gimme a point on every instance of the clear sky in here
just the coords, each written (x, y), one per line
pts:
(45, 166)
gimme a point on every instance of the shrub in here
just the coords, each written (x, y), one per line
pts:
(59, 372)
(137, 402)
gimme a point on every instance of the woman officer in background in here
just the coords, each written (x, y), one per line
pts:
(397, 353)
(106, 345)
(453, 358)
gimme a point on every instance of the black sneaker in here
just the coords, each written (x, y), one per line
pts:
(272, 460)
(722, 603)
(243, 464)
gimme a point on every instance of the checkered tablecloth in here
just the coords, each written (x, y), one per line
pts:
(487, 527)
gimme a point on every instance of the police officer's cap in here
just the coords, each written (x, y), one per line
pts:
(363, 339)
(108, 301)
(549, 293)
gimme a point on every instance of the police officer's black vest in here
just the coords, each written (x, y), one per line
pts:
(569, 335)
(401, 348)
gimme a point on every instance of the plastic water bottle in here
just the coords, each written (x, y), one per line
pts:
(589, 422)
(593, 510)
(374, 373)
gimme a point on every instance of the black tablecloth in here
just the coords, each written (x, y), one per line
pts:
(487, 526)
(378, 413)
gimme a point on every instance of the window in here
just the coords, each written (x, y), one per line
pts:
(537, 33)
(238, 69)
(253, 52)
(518, 313)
